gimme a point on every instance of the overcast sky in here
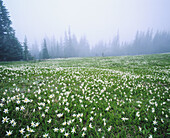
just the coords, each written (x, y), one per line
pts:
(97, 19)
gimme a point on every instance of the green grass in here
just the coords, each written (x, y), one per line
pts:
(124, 96)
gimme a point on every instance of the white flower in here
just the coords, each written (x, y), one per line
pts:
(55, 129)
(150, 136)
(17, 108)
(83, 134)
(28, 129)
(74, 115)
(99, 129)
(84, 128)
(22, 108)
(5, 119)
(109, 128)
(51, 96)
(31, 130)
(49, 121)
(162, 120)
(140, 128)
(124, 118)
(22, 131)
(107, 109)
(26, 100)
(137, 114)
(91, 118)
(18, 102)
(90, 125)
(153, 110)
(64, 123)
(27, 135)
(62, 130)
(8, 133)
(43, 115)
(12, 121)
(73, 130)
(78, 115)
(5, 111)
(14, 124)
(3, 99)
(155, 128)
(37, 124)
(45, 135)
(69, 122)
(80, 119)
(66, 134)
(39, 108)
(59, 115)
(154, 122)
(1, 104)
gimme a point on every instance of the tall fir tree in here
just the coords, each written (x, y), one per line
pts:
(26, 52)
(10, 48)
(45, 54)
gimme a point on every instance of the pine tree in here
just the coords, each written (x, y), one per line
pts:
(35, 50)
(45, 54)
(26, 52)
(10, 48)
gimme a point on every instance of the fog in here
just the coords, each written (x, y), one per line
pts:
(82, 28)
(96, 19)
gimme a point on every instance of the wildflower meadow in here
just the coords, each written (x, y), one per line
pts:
(124, 96)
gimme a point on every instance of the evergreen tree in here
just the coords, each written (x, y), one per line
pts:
(35, 50)
(45, 54)
(10, 48)
(75, 46)
(26, 52)
(71, 50)
(65, 45)
(84, 48)
(15, 51)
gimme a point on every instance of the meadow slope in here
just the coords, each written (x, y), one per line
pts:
(124, 96)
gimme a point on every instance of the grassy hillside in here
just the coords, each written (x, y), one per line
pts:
(79, 97)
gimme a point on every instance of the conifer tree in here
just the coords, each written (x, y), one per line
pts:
(26, 52)
(10, 48)
(45, 54)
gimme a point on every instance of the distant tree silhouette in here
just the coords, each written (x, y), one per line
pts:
(26, 52)
(45, 54)
(143, 43)
(10, 48)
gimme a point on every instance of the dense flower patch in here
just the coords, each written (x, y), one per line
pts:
(48, 99)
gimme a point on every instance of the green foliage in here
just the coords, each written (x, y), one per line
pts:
(45, 54)
(10, 48)
(27, 55)
(86, 97)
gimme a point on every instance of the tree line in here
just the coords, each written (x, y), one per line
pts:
(10, 48)
(143, 43)
(69, 46)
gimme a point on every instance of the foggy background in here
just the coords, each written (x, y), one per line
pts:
(83, 28)
(96, 19)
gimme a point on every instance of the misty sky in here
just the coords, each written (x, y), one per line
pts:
(97, 19)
